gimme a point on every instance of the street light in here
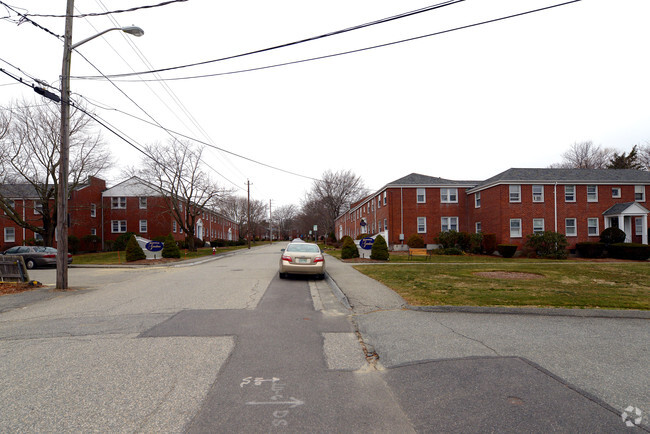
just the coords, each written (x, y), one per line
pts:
(64, 161)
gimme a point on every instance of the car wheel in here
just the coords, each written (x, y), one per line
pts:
(30, 264)
(321, 276)
(283, 276)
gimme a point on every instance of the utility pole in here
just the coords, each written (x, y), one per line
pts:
(270, 223)
(62, 194)
(248, 229)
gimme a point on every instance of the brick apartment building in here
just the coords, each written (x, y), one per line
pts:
(579, 203)
(130, 206)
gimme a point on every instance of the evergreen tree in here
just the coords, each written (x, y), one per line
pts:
(170, 249)
(133, 250)
(623, 161)
(349, 249)
(379, 249)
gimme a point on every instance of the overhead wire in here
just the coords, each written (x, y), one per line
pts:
(98, 14)
(289, 44)
(328, 56)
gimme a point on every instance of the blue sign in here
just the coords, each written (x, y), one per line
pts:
(366, 243)
(154, 246)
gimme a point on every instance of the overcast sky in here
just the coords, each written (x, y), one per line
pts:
(464, 105)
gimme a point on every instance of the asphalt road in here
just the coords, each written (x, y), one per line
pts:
(227, 346)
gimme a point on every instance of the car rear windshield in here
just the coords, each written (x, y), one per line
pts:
(45, 249)
(303, 248)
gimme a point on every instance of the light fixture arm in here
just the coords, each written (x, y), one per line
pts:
(132, 30)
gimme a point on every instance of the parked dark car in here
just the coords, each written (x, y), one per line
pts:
(35, 256)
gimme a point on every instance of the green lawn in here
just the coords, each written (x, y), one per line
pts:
(616, 285)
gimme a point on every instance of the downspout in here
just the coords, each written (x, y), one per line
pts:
(101, 205)
(401, 210)
(555, 204)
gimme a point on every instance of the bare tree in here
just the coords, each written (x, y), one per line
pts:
(178, 173)
(585, 155)
(284, 219)
(29, 161)
(644, 156)
(334, 193)
(236, 209)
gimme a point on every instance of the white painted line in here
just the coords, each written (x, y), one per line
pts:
(315, 296)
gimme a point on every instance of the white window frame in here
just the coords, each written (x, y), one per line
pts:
(93, 210)
(638, 226)
(10, 235)
(515, 228)
(143, 224)
(477, 199)
(385, 224)
(592, 223)
(174, 226)
(38, 207)
(514, 193)
(385, 198)
(574, 227)
(422, 225)
(142, 202)
(448, 224)
(478, 227)
(378, 202)
(538, 225)
(421, 192)
(616, 192)
(571, 194)
(449, 195)
(93, 231)
(539, 196)
(118, 202)
(592, 196)
(639, 190)
(120, 225)
(10, 204)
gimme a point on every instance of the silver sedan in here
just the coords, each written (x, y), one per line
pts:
(302, 258)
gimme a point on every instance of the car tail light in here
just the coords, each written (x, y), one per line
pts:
(318, 259)
(286, 258)
(49, 256)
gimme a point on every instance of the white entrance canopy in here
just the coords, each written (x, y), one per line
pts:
(623, 214)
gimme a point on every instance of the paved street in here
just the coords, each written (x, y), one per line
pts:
(226, 346)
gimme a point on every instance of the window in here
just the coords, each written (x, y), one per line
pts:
(570, 227)
(449, 224)
(569, 193)
(592, 193)
(38, 207)
(385, 198)
(592, 227)
(143, 202)
(10, 235)
(515, 193)
(422, 225)
(422, 197)
(477, 227)
(449, 195)
(143, 226)
(538, 193)
(118, 203)
(385, 224)
(10, 204)
(93, 231)
(538, 226)
(93, 210)
(638, 225)
(639, 193)
(378, 202)
(38, 237)
(118, 226)
(515, 228)
(477, 200)
(616, 192)
(174, 226)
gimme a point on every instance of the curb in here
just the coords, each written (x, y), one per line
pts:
(337, 291)
(576, 313)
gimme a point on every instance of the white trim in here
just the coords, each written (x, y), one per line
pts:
(424, 223)
(517, 234)
(575, 227)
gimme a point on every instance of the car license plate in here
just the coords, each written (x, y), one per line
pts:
(303, 261)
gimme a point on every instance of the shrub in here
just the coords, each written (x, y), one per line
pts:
(637, 252)
(612, 236)
(446, 239)
(344, 239)
(453, 251)
(349, 249)
(120, 242)
(73, 244)
(590, 249)
(170, 248)
(134, 251)
(415, 242)
(379, 249)
(489, 243)
(507, 250)
(548, 244)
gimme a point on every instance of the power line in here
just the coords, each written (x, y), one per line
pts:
(345, 52)
(97, 14)
(289, 44)
(25, 18)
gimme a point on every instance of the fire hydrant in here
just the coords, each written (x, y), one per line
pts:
(214, 250)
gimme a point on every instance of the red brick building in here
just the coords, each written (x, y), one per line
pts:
(130, 206)
(579, 203)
